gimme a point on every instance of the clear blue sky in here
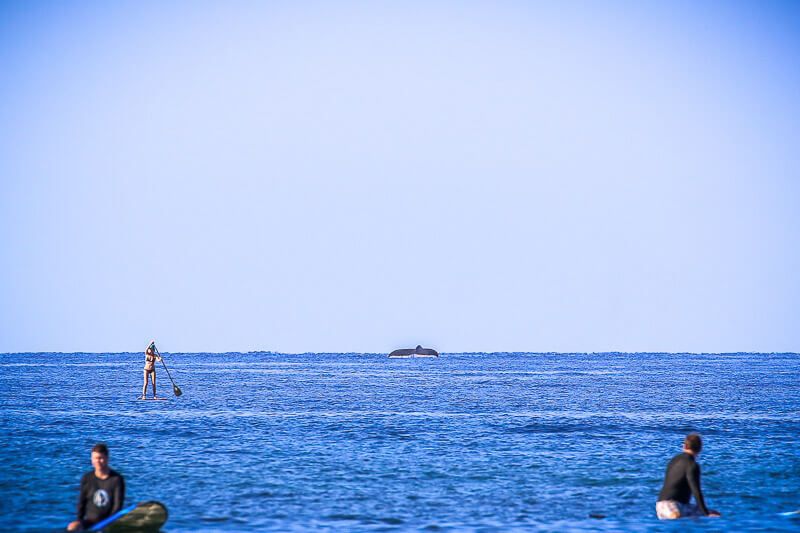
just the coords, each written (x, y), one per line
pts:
(363, 176)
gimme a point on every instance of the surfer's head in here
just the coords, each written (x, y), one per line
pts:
(100, 457)
(101, 448)
(693, 443)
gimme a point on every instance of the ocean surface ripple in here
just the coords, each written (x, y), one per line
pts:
(476, 442)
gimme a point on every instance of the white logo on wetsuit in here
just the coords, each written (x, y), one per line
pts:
(101, 498)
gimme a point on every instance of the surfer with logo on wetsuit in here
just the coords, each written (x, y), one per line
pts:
(150, 357)
(102, 492)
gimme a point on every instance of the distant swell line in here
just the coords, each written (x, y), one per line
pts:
(549, 415)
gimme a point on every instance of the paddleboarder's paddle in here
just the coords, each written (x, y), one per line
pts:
(175, 388)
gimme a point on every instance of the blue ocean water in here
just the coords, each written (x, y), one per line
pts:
(481, 442)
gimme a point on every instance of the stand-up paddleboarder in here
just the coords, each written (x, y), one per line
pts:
(150, 357)
(681, 482)
(102, 492)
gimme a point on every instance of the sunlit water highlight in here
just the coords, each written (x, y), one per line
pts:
(487, 442)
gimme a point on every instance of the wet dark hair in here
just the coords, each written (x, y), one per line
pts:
(693, 442)
(100, 447)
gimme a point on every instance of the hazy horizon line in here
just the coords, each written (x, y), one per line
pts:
(611, 352)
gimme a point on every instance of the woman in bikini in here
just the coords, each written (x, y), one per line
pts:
(150, 358)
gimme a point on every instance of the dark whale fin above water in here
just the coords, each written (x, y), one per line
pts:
(419, 350)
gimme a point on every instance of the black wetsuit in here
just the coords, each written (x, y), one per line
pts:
(100, 498)
(682, 481)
